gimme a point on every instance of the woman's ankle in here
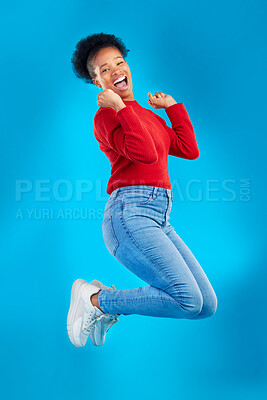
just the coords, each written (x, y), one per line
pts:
(94, 300)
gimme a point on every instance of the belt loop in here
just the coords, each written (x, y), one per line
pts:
(154, 194)
(115, 193)
(169, 193)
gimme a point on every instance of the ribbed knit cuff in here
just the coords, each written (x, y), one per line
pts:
(175, 109)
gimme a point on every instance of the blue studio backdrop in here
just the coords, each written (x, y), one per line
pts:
(212, 57)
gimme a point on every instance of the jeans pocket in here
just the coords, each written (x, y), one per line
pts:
(136, 199)
(109, 236)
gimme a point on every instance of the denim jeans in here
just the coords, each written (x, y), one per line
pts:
(137, 232)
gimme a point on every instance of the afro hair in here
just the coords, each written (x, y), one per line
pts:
(87, 48)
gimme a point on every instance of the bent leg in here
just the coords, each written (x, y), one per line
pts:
(208, 294)
(146, 250)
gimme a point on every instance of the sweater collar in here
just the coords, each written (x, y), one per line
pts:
(130, 102)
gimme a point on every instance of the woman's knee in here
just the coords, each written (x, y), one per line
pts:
(211, 306)
(190, 303)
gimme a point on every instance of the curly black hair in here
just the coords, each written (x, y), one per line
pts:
(87, 48)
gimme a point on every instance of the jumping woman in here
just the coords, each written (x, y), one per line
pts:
(136, 227)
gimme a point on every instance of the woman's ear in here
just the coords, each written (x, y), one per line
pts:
(95, 81)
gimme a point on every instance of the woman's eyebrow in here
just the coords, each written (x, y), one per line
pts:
(106, 63)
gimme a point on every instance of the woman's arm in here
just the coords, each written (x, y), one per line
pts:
(123, 132)
(183, 140)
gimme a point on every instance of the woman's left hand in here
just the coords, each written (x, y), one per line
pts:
(160, 100)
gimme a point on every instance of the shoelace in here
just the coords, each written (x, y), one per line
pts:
(111, 319)
(90, 323)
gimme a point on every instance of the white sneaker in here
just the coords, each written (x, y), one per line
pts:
(104, 322)
(82, 314)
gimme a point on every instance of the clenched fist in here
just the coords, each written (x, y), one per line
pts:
(108, 98)
(160, 100)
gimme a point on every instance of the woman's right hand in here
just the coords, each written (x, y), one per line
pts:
(108, 98)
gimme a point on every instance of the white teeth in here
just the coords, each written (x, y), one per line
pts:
(119, 79)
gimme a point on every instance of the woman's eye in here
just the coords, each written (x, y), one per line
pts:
(107, 68)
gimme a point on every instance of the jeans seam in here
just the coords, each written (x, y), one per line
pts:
(144, 252)
(112, 205)
(172, 300)
(148, 201)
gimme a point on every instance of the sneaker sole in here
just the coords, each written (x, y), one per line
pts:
(76, 290)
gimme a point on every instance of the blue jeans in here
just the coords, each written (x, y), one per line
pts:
(137, 232)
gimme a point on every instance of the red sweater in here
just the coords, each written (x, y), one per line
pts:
(137, 142)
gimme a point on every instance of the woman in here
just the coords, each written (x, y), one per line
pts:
(136, 226)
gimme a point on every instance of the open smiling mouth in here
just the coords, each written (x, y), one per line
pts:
(123, 84)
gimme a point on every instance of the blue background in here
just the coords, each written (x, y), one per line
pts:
(212, 57)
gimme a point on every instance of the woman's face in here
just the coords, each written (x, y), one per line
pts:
(109, 66)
